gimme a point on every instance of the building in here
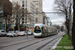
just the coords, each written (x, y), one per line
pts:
(49, 22)
(5, 11)
(1, 18)
(45, 19)
(38, 6)
(28, 17)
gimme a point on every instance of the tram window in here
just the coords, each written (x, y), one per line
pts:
(43, 30)
(37, 29)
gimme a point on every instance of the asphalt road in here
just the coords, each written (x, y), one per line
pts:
(30, 43)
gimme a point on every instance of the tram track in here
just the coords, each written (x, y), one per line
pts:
(16, 43)
(38, 42)
(39, 48)
(19, 43)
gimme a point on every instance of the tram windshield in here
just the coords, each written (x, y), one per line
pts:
(37, 29)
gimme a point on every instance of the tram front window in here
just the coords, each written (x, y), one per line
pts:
(37, 29)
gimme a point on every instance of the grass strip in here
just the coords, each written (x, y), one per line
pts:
(65, 43)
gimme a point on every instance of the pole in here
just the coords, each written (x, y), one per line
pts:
(5, 25)
(27, 33)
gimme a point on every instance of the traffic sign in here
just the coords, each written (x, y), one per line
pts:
(13, 25)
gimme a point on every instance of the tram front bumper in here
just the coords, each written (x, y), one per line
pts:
(37, 34)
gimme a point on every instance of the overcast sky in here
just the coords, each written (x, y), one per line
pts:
(48, 6)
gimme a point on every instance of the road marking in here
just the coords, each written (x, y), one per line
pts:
(55, 45)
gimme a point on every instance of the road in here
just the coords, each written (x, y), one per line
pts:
(30, 43)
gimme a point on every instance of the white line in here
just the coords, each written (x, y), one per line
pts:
(55, 45)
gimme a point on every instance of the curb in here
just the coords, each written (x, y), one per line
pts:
(55, 45)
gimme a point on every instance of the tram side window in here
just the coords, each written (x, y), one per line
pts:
(46, 29)
(43, 30)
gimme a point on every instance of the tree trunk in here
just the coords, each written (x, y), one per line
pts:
(67, 25)
(70, 21)
(6, 23)
(73, 28)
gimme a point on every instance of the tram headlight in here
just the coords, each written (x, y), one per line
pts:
(40, 33)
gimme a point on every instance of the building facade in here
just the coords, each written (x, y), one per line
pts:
(45, 19)
(1, 17)
(28, 16)
(38, 6)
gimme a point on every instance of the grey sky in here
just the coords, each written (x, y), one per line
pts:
(48, 6)
(10, 0)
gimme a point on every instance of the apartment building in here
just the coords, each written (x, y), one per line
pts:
(38, 6)
(28, 17)
(45, 19)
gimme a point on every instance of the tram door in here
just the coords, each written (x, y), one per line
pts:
(44, 31)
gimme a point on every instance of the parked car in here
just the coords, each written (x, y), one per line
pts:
(17, 31)
(22, 33)
(3, 33)
(30, 32)
(12, 33)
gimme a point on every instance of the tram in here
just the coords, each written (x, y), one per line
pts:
(41, 30)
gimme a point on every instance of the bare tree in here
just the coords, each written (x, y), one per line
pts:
(18, 13)
(7, 9)
(64, 6)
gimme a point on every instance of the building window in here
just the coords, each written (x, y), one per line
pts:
(25, 20)
(17, 2)
(23, 5)
(43, 20)
(22, 18)
(17, 16)
(23, 2)
(36, 10)
(22, 22)
(26, 1)
(26, 4)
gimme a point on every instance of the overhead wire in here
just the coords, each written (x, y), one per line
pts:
(46, 4)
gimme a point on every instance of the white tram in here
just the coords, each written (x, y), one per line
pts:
(40, 30)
